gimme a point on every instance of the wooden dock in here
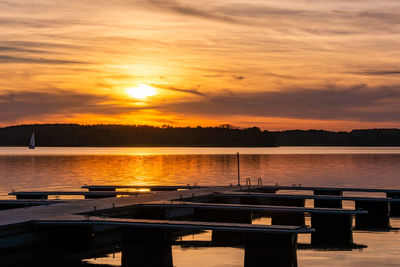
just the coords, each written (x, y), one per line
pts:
(46, 194)
(379, 209)
(330, 189)
(13, 204)
(241, 207)
(177, 225)
(146, 224)
(315, 197)
(149, 187)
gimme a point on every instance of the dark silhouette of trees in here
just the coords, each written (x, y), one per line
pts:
(128, 135)
(370, 137)
(224, 136)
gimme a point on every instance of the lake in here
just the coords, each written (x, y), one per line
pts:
(70, 168)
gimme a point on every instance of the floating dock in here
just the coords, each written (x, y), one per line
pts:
(96, 194)
(145, 225)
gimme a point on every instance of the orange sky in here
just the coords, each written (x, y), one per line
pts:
(287, 64)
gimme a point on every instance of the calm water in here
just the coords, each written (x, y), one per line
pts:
(70, 168)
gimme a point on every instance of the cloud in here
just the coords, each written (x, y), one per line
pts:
(351, 103)
(191, 10)
(31, 60)
(38, 23)
(189, 91)
(18, 44)
(21, 105)
(238, 77)
(292, 18)
(380, 72)
(6, 49)
(212, 75)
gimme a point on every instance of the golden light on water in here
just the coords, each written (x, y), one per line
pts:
(141, 91)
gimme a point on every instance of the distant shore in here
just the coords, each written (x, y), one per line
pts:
(75, 135)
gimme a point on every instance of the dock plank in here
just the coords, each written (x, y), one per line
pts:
(320, 197)
(151, 187)
(350, 189)
(73, 193)
(171, 224)
(286, 209)
(69, 207)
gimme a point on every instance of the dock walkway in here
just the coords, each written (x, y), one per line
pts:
(379, 209)
(332, 189)
(150, 187)
(46, 194)
(172, 224)
(8, 217)
(144, 221)
(317, 197)
(241, 207)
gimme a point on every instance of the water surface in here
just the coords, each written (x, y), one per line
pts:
(70, 168)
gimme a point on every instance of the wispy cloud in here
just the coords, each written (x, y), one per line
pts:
(16, 106)
(188, 91)
(16, 59)
(348, 103)
(6, 49)
(380, 72)
(239, 77)
(189, 9)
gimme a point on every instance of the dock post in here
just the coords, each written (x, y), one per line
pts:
(394, 206)
(272, 250)
(146, 248)
(332, 229)
(377, 217)
(238, 168)
(323, 203)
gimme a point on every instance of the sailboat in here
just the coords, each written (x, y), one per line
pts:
(32, 142)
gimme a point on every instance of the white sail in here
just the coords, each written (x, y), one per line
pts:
(32, 142)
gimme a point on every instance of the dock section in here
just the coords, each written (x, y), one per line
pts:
(333, 226)
(335, 191)
(378, 216)
(149, 187)
(87, 195)
(147, 224)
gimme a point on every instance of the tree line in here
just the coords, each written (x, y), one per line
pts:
(224, 136)
(133, 135)
(367, 137)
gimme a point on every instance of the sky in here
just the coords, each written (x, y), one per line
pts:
(275, 64)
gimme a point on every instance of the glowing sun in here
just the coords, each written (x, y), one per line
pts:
(142, 91)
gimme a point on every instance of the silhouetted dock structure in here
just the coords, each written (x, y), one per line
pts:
(146, 224)
(95, 194)
(149, 187)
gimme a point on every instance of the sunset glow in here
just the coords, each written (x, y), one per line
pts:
(288, 64)
(142, 91)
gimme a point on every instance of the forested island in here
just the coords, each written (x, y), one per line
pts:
(222, 136)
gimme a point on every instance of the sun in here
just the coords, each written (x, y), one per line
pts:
(141, 91)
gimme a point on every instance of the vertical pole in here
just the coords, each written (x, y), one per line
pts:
(238, 168)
